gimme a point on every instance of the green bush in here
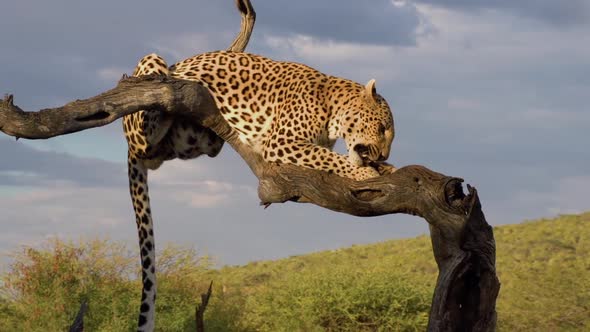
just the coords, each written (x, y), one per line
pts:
(43, 289)
(341, 299)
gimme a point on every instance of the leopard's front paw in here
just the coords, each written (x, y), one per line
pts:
(363, 173)
(382, 167)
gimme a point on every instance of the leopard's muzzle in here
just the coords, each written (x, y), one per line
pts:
(369, 153)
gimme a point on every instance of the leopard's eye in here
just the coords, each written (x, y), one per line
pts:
(381, 129)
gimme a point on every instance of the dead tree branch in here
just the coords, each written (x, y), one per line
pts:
(153, 92)
(463, 242)
(78, 324)
(200, 309)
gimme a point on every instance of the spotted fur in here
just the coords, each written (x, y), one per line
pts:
(285, 111)
(154, 137)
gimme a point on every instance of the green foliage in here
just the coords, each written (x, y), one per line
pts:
(341, 299)
(182, 278)
(44, 287)
(544, 268)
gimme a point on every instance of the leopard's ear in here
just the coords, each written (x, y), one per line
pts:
(370, 89)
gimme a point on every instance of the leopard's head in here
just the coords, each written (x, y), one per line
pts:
(367, 127)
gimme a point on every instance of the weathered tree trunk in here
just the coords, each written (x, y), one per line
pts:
(463, 242)
(467, 286)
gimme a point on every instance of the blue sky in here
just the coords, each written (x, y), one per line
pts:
(492, 91)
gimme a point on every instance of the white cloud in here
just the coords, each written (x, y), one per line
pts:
(191, 183)
(549, 12)
(62, 204)
(178, 172)
(18, 173)
(356, 61)
(546, 118)
(310, 48)
(217, 186)
(459, 50)
(399, 3)
(178, 47)
(462, 113)
(70, 211)
(568, 195)
(201, 200)
(204, 194)
(497, 40)
(463, 104)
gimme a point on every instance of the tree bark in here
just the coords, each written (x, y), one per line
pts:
(463, 242)
(78, 324)
(200, 309)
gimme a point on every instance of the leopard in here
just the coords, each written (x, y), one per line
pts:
(285, 111)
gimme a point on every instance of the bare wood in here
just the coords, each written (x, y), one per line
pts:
(131, 95)
(200, 309)
(463, 242)
(78, 324)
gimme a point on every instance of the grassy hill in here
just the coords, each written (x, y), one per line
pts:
(544, 268)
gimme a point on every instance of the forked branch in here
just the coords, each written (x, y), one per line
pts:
(200, 309)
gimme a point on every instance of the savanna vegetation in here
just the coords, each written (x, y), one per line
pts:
(544, 267)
